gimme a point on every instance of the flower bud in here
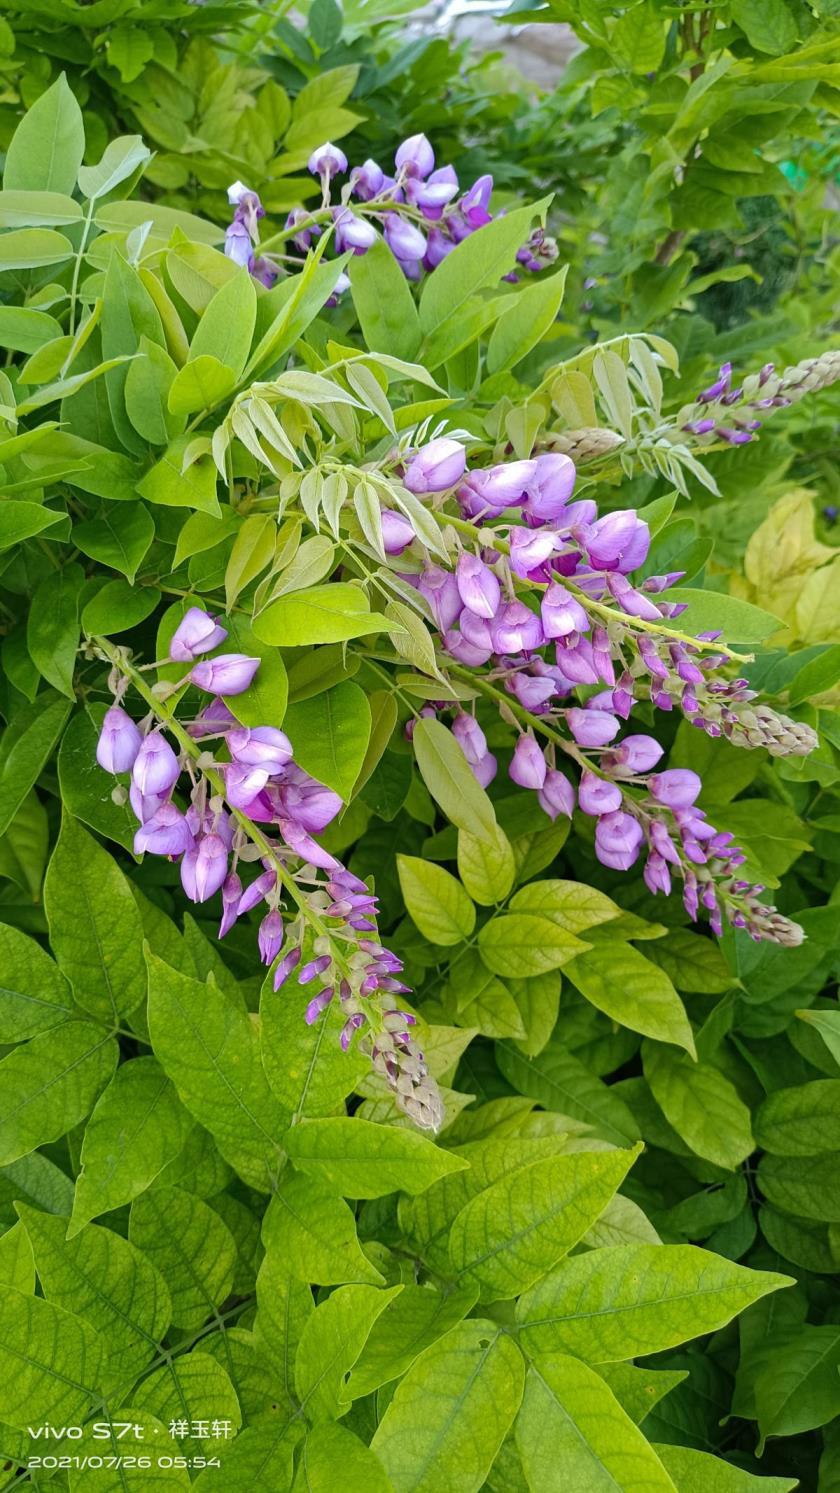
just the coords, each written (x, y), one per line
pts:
(260, 746)
(238, 244)
(677, 788)
(352, 232)
(366, 180)
(502, 485)
(231, 894)
(656, 875)
(551, 485)
(436, 466)
(557, 796)
(474, 203)
(618, 541)
(155, 767)
(440, 589)
(437, 248)
(561, 612)
(327, 160)
(485, 770)
(516, 629)
(530, 548)
(397, 532)
(415, 156)
(119, 741)
(596, 796)
(259, 889)
(204, 868)
(196, 633)
(243, 781)
(633, 754)
(227, 674)
(289, 962)
(477, 585)
(592, 728)
(470, 737)
(165, 833)
(270, 936)
(403, 239)
(528, 767)
(618, 837)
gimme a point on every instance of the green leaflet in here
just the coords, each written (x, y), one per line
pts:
(571, 1420)
(360, 1160)
(802, 1120)
(46, 150)
(701, 1104)
(447, 776)
(34, 994)
(314, 1233)
(330, 735)
(137, 1127)
(190, 1247)
(518, 1228)
(697, 1472)
(330, 1446)
(436, 900)
(305, 1066)
(625, 985)
(50, 1083)
(209, 1048)
(410, 1323)
(94, 925)
(51, 1363)
(559, 1081)
(633, 1299)
(329, 1346)
(103, 1278)
(452, 1411)
(52, 630)
(17, 1266)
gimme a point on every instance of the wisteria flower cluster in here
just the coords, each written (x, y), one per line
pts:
(421, 211)
(546, 600)
(250, 802)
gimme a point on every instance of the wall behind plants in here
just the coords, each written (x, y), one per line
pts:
(418, 775)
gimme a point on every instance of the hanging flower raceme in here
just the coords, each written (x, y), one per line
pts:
(420, 211)
(546, 600)
(249, 802)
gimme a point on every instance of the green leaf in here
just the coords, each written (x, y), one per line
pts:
(740, 621)
(692, 962)
(479, 261)
(118, 538)
(253, 549)
(330, 1446)
(560, 1081)
(117, 607)
(263, 703)
(50, 1363)
(701, 1104)
(46, 150)
(638, 39)
(52, 630)
(128, 316)
(768, 25)
(452, 1411)
(517, 1229)
(321, 614)
(148, 381)
(17, 1267)
(104, 1279)
(227, 326)
(209, 1047)
(95, 928)
(807, 1186)
(191, 1248)
(524, 944)
(50, 1083)
(436, 901)
(33, 248)
(137, 1127)
(384, 303)
(827, 1023)
(486, 867)
(697, 1472)
(799, 1389)
(305, 1065)
(120, 159)
(631, 990)
(331, 1341)
(172, 484)
(358, 1159)
(412, 1321)
(571, 1419)
(34, 994)
(20, 520)
(31, 210)
(330, 734)
(448, 777)
(85, 788)
(800, 1121)
(531, 313)
(200, 385)
(314, 1232)
(632, 1299)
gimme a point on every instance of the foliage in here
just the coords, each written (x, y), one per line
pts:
(549, 1182)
